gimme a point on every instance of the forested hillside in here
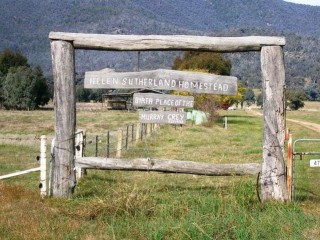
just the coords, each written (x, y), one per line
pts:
(25, 26)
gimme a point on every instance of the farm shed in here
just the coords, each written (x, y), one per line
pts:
(121, 99)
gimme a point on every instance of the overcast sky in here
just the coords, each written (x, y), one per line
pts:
(309, 2)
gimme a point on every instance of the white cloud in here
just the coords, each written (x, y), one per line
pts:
(307, 2)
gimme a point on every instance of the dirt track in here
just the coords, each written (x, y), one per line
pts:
(312, 126)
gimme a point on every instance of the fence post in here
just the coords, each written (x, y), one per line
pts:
(225, 122)
(289, 166)
(149, 125)
(97, 145)
(127, 137)
(63, 66)
(43, 166)
(79, 152)
(138, 130)
(51, 166)
(143, 130)
(119, 144)
(156, 127)
(132, 132)
(108, 144)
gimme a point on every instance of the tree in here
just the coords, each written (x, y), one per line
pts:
(209, 62)
(82, 94)
(260, 100)
(249, 96)
(294, 99)
(312, 92)
(40, 88)
(25, 89)
(10, 59)
(2, 78)
(21, 87)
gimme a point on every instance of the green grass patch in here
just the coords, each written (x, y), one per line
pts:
(148, 205)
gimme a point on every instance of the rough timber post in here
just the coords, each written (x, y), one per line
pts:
(65, 117)
(273, 179)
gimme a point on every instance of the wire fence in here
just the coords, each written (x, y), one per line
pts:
(306, 156)
(23, 153)
(114, 143)
(18, 153)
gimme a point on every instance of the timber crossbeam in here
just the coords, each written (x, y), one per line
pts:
(168, 166)
(166, 42)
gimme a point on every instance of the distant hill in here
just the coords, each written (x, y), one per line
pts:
(25, 26)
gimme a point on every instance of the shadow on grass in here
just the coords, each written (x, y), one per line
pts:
(303, 194)
(209, 189)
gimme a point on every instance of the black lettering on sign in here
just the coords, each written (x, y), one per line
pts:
(162, 117)
(163, 100)
(163, 79)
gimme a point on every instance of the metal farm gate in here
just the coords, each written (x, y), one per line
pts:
(306, 169)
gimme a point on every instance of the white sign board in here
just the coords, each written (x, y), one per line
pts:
(162, 117)
(163, 79)
(162, 100)
(315, 163)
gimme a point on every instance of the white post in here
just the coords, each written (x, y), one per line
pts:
(43, 167)
(79, 151)
(225, 123)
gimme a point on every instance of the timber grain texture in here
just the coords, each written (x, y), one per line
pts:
(63, 66)
(273, 180)
(168, 166)
(162, 100)
(163, 79)
(166, 42)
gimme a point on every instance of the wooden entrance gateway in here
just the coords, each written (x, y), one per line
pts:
(63, 45)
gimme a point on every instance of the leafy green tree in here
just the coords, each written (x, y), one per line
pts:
(25, 89)
(2, 78)
(294, 99)
(40, 89)
(259, 100)
(312, 92)
(21, 87)
(16, 88)
(249, 96)
(209, 61)
(10, 59)
(82, 94)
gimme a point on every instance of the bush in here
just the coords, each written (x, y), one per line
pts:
(25, 89)
(21, 87)
(294, 99)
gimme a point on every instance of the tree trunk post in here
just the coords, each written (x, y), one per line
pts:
(65, 118)
(273, 179)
